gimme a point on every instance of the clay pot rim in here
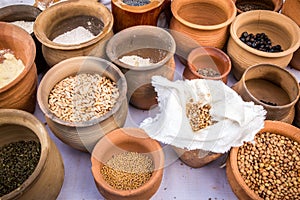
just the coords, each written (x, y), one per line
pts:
(243, 79)
(277, 6)
(136, 29)
(244, 46)
(209, 51)
(9, 116)
(139, 133)
(64, 64)
(67, 5)
(137, 9)
(203, 27)
(29, 64)
(277, 127)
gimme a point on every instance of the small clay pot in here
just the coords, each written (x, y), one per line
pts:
(66, 16)
(127, 140)
(267, 85)
(21, 92)
(47, 179)
(83, 135)
(140, 90)
(247, 5)
(207, 57)
(279, 29)
(236, 181)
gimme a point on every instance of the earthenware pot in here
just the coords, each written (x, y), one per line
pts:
(247, 5)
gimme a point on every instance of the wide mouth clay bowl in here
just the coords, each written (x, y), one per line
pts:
(127, 140)
(248, 5)
(271, 86)
(21, 126)
(280, 29)
(83, 135)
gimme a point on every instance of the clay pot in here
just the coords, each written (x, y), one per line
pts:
(291, 9)
(272, 84)
(17, 125)
(204, 57)
(21, 92)
(140, 91)
(132, 140)
(83, 135)
(280, 30)
(25, 13)
(66, 16)
(237, 183)
(273, 5)
(126, 16)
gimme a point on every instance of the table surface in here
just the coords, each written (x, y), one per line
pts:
(179, 182)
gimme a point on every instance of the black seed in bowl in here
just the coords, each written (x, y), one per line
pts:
(136, 2)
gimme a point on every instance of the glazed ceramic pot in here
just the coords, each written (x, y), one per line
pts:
(21, 92)
(236, 181)
(17, 125)
(280, 30)
(127, 140)
(66, 16)
(271, 86)
(149, 42)
(83, 135)
(247, 5)
(207, 57)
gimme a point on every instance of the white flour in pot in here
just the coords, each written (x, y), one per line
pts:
(26, 25)
(136, 61)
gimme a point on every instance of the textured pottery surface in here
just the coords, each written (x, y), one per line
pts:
(21, 92)
(66, 16)
(123, 140)
(83, 135)
(273, 5)
(238, 185)
(16, 125)
(280, 30)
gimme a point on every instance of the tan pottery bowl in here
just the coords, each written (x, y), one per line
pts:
(207, 57)
(17, 125)
(65, 16)
(21, 92)
(237, 183)
(270, 83)
(123, 140)
(280, 30)
(140, 90)
(273, 5)
(83, 135)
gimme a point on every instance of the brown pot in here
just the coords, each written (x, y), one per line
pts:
(280, 30)
(237, 183)
(83, 135)
(273, 5)
(132, 140)
(21, 92)
(270, 83)
(140, 90)
(65, 16)
(204, 57)
(47, 179)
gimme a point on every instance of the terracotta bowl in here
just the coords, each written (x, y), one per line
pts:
(280, 30)
(83, 135)
(66, 16)
(272, 84)
(207, 57)
(237, 183)
(123, 140)
(140, 90)
(21, 92)
(17, 125)
(247, 5)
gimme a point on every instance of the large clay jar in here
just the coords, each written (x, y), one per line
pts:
(127, 140)
(291, 9)
(83, 135)
(247, 5)
(235, 179)
(66, 16)
(279, 29)
(204, 21)
(153, 40)
(47, 179)
(271, 86)
(21, 92)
